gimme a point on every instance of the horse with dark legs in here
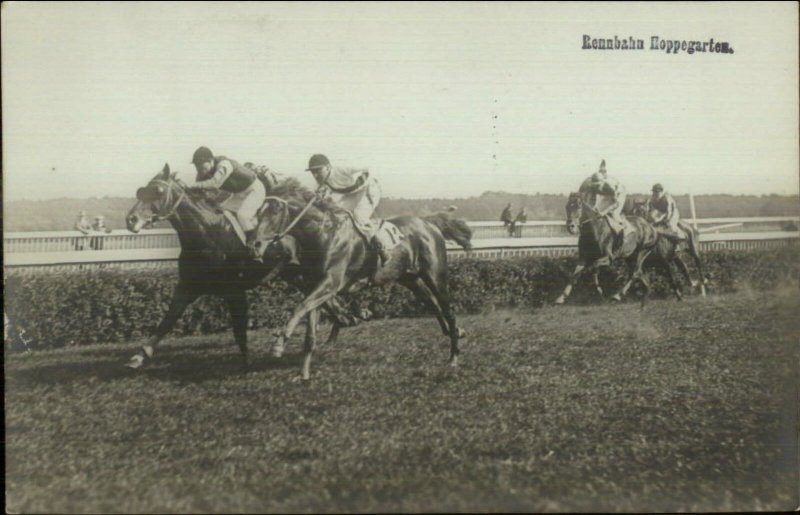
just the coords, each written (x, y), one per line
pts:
(335, 258)
(213, 260)
(668, 250)
(598, 246)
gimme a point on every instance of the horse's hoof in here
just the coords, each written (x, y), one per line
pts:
(135, 362)
(277, 353)
(453, 362)
(462, 333)
(559, 301)
(617, 298)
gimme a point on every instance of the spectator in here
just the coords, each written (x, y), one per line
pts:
(99, 225)
(82, 224)
(508, 222)
(521, 218)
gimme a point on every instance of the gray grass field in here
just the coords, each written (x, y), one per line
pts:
(684, 406)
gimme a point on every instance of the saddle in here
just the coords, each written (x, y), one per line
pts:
(387, 233)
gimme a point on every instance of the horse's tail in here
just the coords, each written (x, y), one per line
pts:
(453, 229)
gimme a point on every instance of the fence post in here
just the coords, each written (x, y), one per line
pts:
(694, 211)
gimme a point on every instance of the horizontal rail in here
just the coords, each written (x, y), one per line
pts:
(490, 247)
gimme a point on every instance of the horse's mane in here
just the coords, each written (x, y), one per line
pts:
(291, 190)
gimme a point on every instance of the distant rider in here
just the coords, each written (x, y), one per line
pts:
(612, 192)
(353, 190)
(242, 193)
(663, 212)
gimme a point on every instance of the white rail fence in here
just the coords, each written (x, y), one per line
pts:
(52, 251)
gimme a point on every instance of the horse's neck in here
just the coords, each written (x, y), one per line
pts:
(311, 229)
(596, 225)
(199, 228)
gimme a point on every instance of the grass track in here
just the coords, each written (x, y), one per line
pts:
(685, 406)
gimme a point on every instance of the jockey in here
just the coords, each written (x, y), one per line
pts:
(243, 193)
(609, 188)
(352, 190)
(663, 212)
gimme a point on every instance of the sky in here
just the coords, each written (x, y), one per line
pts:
(437, 100)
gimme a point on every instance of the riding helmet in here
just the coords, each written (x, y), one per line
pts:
(201, 155)
(658, 187)
(317, 161)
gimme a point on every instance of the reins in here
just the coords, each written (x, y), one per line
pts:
(294, 222)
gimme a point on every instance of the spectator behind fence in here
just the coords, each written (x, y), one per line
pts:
(521, 218)
(99, 226)
(508, 221)
(82, 224)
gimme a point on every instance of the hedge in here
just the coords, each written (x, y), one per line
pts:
(110, 306)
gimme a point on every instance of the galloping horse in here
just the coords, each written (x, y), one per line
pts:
(597, 245)
(213, 260)
(669, 251)
(335, 258)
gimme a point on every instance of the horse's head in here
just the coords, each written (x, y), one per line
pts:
(574, 209)
(156, 201)
(639, 208)
(273, 218)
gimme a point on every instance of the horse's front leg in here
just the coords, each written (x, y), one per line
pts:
(311, 340)
(572, 280)
(181, 298)
(237, 306)
(325, 291)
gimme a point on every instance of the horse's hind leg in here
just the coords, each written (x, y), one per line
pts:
(181, 298)
(237, 306)
(676, 288)
(424, 295)
(438, 287)
(694, 250)
(310, 342)
(685, 271)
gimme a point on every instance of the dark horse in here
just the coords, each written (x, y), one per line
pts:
(336, 258)
(668, 250)
(213, 260)
(598, 246)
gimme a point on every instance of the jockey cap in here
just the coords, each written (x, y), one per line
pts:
(658, 187)
(201, 155)
(602, 167)
(317, 161)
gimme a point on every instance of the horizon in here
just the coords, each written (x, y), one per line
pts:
(96, 97)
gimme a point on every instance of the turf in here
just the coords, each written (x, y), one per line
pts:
(683, 406)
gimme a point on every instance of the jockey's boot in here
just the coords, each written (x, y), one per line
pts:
(290, 249)
(384, 256)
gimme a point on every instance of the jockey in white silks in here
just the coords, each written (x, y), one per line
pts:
(237, 187)
(663, 212)
(610, 198)
(352, 190)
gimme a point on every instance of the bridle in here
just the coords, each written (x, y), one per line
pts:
(167, 200)
(583, 204)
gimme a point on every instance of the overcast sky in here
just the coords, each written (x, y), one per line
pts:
(445, 100)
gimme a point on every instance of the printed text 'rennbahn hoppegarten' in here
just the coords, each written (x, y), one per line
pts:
(670, 46)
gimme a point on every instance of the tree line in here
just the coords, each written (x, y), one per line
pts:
(61, 214)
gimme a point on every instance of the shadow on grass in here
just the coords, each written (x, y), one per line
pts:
(179, 364)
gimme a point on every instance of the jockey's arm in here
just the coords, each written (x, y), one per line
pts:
(221, 172)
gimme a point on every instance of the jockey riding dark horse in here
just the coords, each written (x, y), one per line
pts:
(605, 235)
(336, 258)
(213, 260)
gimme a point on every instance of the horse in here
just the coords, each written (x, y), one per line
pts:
(336, 258)
(598, 245)
(668, 250)
(213, 259)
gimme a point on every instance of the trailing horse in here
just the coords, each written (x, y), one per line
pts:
(599, 246)
(213, 259)
(336, 258)
(669, 250)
